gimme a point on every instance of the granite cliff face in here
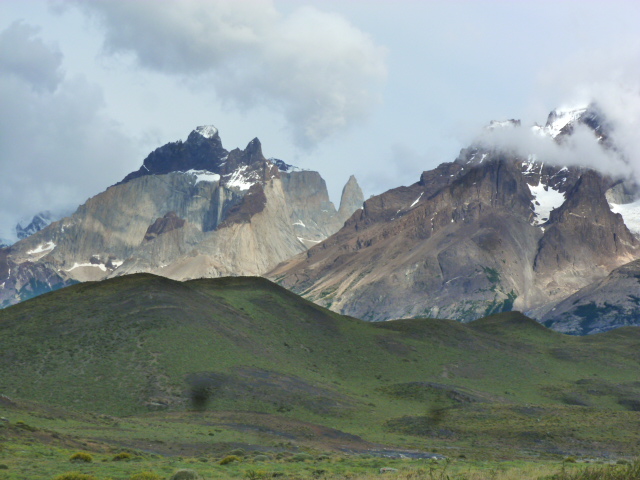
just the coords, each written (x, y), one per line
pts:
(192, 210)
(488, 232)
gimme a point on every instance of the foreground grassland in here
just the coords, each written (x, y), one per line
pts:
(180, 375)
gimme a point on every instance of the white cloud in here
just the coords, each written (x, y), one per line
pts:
(609, 76)
(58, 147)
(315, 68)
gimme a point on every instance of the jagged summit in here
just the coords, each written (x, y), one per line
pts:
(561, 122)
(512, 122)
(202, 150)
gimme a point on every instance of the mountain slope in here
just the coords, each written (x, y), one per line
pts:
(140, 342)
(489, 232)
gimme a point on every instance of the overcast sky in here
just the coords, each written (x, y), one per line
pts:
(379, 89)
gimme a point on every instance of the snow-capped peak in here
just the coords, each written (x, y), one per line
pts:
(207, 131)
(560, 118)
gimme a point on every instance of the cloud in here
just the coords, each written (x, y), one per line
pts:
(58, 147)
(608, 76)
(315, 68)
(27, 58)
(581, 148)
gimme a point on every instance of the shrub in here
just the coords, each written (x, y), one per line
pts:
(256, 474)
(75, 476)
(229, 459)
(118, 457)
(24, 426)
(261, 458)
(186, 474)
(570, 460)
(4, 467)
(81, 457)
(145, 476)
(238, 452)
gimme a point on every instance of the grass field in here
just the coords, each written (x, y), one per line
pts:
(179, 373)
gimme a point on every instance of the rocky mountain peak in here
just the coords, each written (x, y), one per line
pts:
(37, 223)
(351, 199)
(562, 121)
(202, 151)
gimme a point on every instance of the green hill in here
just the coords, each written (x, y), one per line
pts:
(149, 347)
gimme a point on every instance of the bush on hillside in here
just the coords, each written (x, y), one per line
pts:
(81, 457)
(301, 457)
(230, 459)
(75, 476)
(186, 474)
(122, 456)
(238, 452)
(145, 476)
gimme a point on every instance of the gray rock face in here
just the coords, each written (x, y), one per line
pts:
(489, 232)
(192, 210)
(601, 306)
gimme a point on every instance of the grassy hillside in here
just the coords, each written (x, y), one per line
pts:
(267, 367)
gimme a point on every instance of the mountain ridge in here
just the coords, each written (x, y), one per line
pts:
(192, 209)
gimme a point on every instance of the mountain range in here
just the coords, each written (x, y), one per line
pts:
(492, 231)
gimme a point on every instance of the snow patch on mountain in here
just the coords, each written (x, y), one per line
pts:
(559, 119)
(204, 176)
(78, 265)
(42, 248)
(239, 179)
(207, 131)
(416, 201)
(630, 214)
(285, 167)
(545, 199)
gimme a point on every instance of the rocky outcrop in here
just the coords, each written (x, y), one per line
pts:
(164, 225)
(192, 210)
